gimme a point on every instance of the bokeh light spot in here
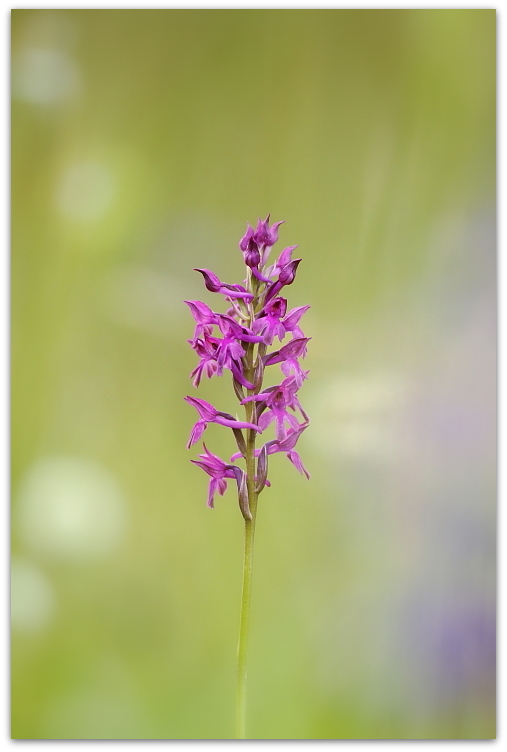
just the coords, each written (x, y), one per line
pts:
(44, 76)
(71, 508)
(32, 597)
(85, 191)
(357, 415)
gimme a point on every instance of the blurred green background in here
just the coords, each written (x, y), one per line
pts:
(142, 143)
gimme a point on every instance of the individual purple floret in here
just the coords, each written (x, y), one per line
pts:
(268, 322)
(238, 340)
(210, 415)
(213, 284)
(286, 276)
(288, 356)
(204, 317)
(206, 350)
(266, 236)
(286, 445)
(275, 400)
(291, 321)
(282, 260)
(260, 240)
(220, 472)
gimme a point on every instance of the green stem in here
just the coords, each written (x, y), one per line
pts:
(245, 599)
(247, 559)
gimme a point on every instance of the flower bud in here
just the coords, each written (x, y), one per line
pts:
(288, 273)
(252, 257)
(247, 240)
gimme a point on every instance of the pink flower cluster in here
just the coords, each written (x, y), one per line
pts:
(238, 341)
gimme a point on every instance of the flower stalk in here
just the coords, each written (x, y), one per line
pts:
(255, 317)
(246, 589)
(246, 593)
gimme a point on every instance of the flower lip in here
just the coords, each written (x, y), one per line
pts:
(275, 307)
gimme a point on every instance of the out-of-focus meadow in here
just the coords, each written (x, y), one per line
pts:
(142, 143)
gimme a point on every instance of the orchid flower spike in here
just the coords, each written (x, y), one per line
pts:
(239, 340)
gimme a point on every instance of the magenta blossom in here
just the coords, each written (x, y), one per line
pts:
(239, 340)
(265, 235)
(219, 473)
(210, 415)
(204, 317)
(207, 352)
(275, 400)
(288, 356)
(291, 321)
(282, 260)
(268, 322)
(213, 284)
(286, 445)
(286, 276)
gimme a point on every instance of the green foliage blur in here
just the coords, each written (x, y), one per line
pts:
(142, 143)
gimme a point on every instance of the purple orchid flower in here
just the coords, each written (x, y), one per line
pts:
(229, 350)
(256, 244)
(266, 236)
(276, 400)
(206, 350)
(238, 340)
(216, 354)
(268, 324)
(291, 321)
(213, 284)
(247, 242)
(231, 327)
(219, 472)
(250, 248)
(286, 445)
(204, 317)
(283, 259)
(210, 415)
(286, 276)
(201, 312)
(288, 356)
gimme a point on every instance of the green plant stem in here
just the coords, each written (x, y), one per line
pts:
(247, 561)
(246, 596)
